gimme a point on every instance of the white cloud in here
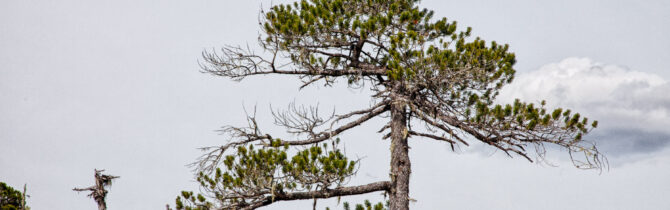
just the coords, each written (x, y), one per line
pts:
(623, 101)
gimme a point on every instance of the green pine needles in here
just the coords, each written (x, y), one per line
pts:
(269, 170)
(11, 199)
(428, 78)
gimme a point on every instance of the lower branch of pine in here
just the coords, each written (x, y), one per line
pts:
(326, 193)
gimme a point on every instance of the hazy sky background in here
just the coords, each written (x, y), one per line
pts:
(116, 85)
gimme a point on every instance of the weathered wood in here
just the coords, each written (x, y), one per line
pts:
(98, 191)
(327, 193)
(400, 163)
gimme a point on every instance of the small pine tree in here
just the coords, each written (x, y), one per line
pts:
(11, 199)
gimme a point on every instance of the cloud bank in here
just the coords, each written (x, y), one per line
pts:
(632, 107)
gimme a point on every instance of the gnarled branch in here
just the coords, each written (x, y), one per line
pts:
(325, 193)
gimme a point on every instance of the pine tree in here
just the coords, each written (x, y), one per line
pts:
(11, 199)
(419, 69)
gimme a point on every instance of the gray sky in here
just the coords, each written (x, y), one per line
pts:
(115, 85)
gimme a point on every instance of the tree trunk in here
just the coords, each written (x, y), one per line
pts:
(23, 198)
(101, 203)
(101, 193)
(400, 165)
(98, 191)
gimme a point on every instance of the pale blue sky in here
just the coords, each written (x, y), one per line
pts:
(116, 85)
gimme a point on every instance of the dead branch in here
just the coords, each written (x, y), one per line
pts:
(242, 136)
(98, 191)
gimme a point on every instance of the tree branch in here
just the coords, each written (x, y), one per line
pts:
(439, 138)
(326, 193)
(213, 155)
(237, 63)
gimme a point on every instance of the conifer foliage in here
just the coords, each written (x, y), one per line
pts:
(436, 82)
(11, 199)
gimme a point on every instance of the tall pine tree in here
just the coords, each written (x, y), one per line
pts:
(420, 69)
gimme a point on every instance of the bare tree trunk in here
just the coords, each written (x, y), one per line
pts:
(23, 198)
(400, 164)
(98, 191)
(102, 205)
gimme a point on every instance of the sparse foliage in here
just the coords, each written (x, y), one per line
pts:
(434, 82)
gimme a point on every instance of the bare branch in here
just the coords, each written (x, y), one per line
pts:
(300, 120)
(237, 63)
(439, 138)
(326, 193)
(442, 127)
(242, 136)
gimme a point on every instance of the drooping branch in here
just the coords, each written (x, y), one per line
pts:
(439, 138)
(432, 124)
(514, 128)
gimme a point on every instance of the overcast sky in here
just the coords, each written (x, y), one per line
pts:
(115, 85)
